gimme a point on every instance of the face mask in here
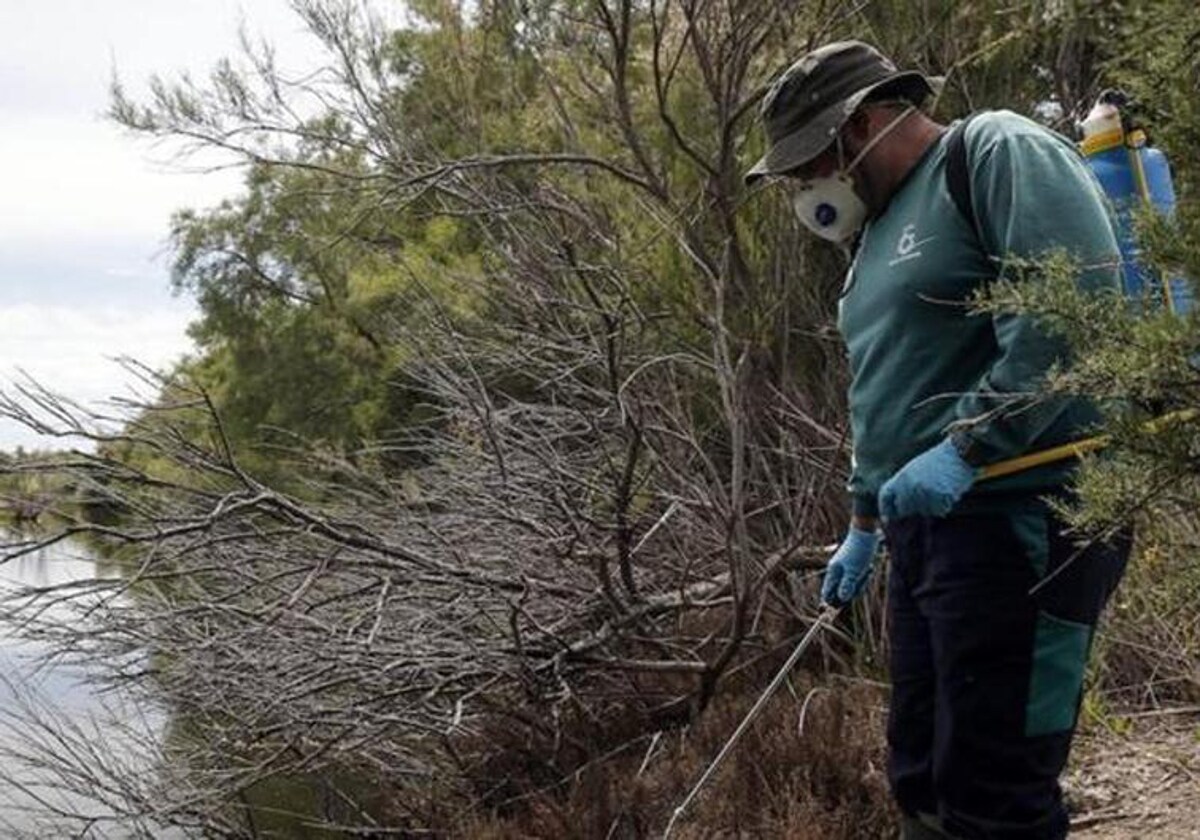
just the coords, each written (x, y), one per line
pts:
(829, 206)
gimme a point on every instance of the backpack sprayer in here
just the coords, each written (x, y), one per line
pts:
(1134, 176)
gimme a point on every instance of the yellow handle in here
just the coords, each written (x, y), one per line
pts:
(1046, 456)
(1135, 142)
(1076, 448)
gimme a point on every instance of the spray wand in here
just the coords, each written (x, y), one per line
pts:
(824, 619)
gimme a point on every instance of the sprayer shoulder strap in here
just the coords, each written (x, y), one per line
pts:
(958, 173)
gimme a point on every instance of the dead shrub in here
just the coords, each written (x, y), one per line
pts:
(810, 767)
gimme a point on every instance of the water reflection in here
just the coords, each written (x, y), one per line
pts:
(21, 657)
(51, 708)
(109, 732)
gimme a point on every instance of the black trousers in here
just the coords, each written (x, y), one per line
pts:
(987, 677)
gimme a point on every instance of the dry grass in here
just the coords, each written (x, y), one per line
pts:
(1148, 648)
(824, 780)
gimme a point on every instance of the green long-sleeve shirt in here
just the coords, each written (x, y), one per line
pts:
(920, 361)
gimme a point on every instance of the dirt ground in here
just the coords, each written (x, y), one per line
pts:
(1141, 784)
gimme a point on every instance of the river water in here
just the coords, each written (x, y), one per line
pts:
(56, 713)
(53, 714)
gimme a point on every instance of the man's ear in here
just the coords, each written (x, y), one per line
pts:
(854, 134)
(858, 127)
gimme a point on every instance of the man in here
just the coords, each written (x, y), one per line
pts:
(991, 606)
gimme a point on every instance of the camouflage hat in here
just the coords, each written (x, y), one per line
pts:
(810, 101)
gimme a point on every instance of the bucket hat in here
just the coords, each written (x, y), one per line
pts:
(807, 104)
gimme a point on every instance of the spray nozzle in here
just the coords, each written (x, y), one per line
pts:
(1116, 97)
(1128, 108)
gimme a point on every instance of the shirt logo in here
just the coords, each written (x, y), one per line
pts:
(908, 246)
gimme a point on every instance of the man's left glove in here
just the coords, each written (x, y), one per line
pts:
(928, 485)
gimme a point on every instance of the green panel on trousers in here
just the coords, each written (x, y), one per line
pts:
(1059, 659)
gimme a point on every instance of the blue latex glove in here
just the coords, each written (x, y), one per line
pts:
(928, 485)
(849, 567)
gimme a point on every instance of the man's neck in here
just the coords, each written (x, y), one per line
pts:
(899, 155)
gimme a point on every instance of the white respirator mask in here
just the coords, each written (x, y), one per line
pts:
(829, 206)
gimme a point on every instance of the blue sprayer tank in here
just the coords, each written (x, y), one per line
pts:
(1133, 175)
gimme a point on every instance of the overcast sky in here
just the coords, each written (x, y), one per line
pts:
(85, 208)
